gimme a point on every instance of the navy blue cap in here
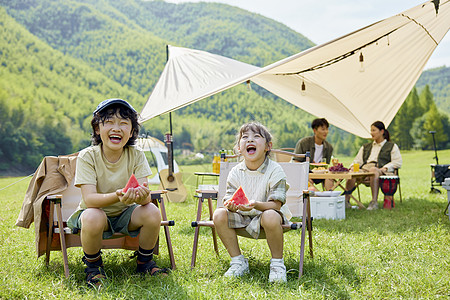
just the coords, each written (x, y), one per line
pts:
(108, 102)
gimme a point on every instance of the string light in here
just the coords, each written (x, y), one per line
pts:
(361, 61)
(249, 87)
(303, 88)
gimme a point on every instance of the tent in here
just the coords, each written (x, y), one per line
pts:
(159, 152)
(352, 81)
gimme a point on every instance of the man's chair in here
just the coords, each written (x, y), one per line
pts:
(297, 199)
(51, 211)
(282, 154)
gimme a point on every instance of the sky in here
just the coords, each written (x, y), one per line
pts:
(323, 21)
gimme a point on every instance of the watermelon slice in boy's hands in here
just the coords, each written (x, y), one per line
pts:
(132, 183)
(238, 198)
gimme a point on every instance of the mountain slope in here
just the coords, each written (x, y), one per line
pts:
(66, 56)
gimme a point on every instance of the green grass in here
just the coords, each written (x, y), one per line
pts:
(384, 254)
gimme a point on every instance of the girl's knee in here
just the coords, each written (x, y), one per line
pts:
(270, 218)
(220, 216)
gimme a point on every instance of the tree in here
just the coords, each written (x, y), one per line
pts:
(426, 99)
(433, 123)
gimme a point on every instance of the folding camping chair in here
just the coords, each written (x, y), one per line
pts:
(60, 237)
(281, 155)
(298, 201)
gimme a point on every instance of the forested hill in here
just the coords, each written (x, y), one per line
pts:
(59, 58)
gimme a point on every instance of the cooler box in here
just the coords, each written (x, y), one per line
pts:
(332, 208)
(328, 207)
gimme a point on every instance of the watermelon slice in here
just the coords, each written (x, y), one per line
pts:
(132, 183)
(239, 197)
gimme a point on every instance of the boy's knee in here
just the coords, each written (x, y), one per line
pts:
(93, 219)
(151, 213)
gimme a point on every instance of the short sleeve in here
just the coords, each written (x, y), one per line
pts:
(141, 168)
(85, 170)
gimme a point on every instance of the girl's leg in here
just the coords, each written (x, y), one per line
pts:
(227, 235)
(93, 223)
(148, 219)
(271, 222)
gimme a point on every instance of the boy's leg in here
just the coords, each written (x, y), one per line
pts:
(227, 235)
(93, 223)
(147, 218)
(271, 222)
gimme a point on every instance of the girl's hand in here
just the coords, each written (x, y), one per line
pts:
(231, 206)
(247, 207)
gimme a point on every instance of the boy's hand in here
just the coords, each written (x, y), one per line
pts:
(137, 195)
(142, 194)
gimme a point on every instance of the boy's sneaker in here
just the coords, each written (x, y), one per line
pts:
(277, 272)
(94, 272)
(238, 267)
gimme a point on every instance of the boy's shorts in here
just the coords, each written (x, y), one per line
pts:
(117, 224)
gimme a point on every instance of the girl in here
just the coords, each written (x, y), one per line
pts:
(264, 183)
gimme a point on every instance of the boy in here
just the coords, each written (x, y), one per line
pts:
(102, 170)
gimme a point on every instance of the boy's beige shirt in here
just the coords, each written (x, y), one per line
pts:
(94, 169)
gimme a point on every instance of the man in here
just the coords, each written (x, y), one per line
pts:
(317, 146)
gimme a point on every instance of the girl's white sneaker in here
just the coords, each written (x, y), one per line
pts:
(238, 267)
(277, 271)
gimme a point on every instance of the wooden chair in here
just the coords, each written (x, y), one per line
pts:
(298, 201)
(58, 208)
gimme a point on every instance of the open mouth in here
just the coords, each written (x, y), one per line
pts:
(115, 138)
(251, 149)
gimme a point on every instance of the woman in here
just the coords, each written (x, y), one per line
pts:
(381, 156)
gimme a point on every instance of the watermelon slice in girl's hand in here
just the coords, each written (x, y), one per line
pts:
(239, 197)
(132, 183)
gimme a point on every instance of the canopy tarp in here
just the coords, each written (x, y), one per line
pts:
(326, 80)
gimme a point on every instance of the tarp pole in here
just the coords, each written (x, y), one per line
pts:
(170, 116)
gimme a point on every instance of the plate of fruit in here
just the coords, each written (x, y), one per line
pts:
(338, 168)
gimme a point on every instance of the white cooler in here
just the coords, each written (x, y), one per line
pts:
(332, 208)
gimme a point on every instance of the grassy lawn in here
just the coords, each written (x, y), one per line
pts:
(383, 254)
